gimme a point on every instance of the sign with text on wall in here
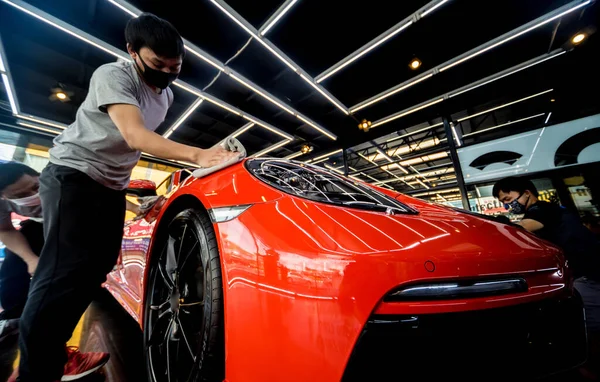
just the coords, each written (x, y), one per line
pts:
(566, 144)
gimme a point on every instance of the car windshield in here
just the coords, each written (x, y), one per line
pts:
(312, 182)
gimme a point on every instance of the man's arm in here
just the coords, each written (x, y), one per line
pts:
(129, 121)
(17, 243)
(531, 225)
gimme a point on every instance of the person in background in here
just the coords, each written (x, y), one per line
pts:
(83, 192)
(581, 247)
(19, 186)
(19, 194)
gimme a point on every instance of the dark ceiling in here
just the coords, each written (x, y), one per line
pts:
(316, 35)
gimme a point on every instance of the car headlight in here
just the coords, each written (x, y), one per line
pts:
(320, 185)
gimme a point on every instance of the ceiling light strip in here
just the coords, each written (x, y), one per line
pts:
(379, 40)
(272, 148)
(132, 12)
(246, 26)
(242, 130)
(502, 125)
(274, 19)
(11, 95)
(433, 8)
(508, 72)
(61, 25)
(557, 13)
(474, 52)
(547, 118)
(391, 92)
(43, 16)
(316, 127)
(382, 38)
(325, 155)
(195, 50)
(294, 155)
(7, 81)
(42, 121)
(473, 85)
(267, 126)
(417, 131)
(260, 92)
(405, 112)
(503, 106)
(37, 127)
(183, 117)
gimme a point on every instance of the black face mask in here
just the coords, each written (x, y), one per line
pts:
(155, 77)
(516, 207)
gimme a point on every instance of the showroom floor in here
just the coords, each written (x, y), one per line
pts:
(107, 327)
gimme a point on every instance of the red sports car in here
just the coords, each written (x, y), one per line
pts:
(275, 270)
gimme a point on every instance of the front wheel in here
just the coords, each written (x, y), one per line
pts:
(183, 315)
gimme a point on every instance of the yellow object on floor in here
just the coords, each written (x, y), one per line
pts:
(74, 341)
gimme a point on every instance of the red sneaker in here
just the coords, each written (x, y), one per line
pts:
(13, 377)
(80, 365)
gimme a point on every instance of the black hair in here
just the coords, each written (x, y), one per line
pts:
(10, 172)
(513, 183)
(150, 31)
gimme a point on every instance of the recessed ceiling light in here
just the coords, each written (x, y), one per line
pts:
(552, 100)
(61, 95)
(578, 38)
(415, 64)
(365, 125)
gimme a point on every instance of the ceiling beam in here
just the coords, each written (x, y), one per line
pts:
(380, 40)
(276, 17)
(275, 51)
(239, 78)
(494, 43)
(474, 85)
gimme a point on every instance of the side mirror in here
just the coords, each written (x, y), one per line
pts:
(141, 188)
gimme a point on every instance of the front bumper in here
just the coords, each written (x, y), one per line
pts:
(519, 342)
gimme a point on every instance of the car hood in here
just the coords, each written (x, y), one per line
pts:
(460, 244)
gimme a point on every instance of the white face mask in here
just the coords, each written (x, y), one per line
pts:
(30, 201)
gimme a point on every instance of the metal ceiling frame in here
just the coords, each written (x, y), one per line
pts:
(523, 29)
(8, 81)
(75, 32)
(379, 40)
(275, 17)
(503, 124)
(204, 56)
(249, 28)
(83, 36)
(474, 85)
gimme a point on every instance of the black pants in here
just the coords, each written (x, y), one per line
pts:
(14, 277)
(83, 228)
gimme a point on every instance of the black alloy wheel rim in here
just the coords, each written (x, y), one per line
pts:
(176, 316)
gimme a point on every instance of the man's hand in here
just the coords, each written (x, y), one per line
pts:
(214, 156)
(32, 263)
(130, 122)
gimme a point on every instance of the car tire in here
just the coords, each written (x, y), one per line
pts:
(183, 313)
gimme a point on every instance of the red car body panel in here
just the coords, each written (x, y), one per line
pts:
(301, 278)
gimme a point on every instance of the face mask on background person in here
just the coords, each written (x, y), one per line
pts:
(516, 207)
(29, 201)
(155, 77)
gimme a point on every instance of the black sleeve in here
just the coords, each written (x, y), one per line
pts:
(540, 213)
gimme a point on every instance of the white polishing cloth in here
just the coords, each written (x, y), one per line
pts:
(230, 144)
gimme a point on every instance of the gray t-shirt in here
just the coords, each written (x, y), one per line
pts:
(93, 144)
(6, 207)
